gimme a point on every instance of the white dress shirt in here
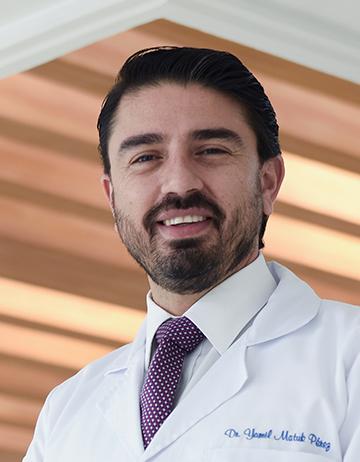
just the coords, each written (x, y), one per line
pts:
(223, 315)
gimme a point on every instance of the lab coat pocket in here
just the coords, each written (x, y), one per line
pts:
(263, 455)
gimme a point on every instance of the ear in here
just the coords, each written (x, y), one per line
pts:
(272, 174)
(109, 192)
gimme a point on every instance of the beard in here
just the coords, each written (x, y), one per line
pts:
(192, 265)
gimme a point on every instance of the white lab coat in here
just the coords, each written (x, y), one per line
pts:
(287, 391)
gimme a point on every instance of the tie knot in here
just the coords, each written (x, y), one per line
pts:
(181, 331)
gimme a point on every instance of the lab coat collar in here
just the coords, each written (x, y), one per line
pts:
(292, 305)
(121, 363)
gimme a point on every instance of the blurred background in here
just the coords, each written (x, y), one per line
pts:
(69, 292)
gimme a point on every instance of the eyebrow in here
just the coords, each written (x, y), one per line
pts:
(219, 134)
(139, 140)
(197, 135)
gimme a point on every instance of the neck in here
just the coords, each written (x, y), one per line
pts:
(177, 304)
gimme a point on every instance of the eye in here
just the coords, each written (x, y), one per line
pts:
(143, 159)
(212, 151)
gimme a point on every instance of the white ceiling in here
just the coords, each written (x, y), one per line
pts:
(321, 34)
(341, 14)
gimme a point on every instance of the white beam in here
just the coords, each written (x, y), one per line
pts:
(66, 26)
(267, 25)
(292, 30)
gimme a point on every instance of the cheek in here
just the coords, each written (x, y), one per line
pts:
(243, 193)
(123, 199)
(132, 203)
(142, 192)
(233, 188)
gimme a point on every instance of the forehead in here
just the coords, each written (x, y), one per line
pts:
(177, 109)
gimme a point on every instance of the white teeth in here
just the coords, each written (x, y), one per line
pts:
(187, 219)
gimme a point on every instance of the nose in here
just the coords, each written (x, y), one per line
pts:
(180, 176)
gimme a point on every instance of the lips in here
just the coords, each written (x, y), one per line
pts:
(184, 230)
(188, 215)
(181, 224)
(184, 220)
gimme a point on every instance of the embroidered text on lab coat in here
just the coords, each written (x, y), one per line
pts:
(283, 435)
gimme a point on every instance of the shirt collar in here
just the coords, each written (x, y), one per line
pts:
(225, 310)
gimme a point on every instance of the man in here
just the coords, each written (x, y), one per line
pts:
(237, 359)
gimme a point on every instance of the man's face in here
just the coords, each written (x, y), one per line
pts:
(186, 185)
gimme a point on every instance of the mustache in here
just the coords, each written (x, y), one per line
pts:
(171, 201)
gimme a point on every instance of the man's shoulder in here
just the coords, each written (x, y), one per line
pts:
(345, 317)
(292, 282)
(295, 292)
(341, 309)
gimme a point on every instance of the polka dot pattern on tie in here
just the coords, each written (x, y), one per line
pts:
(176, 337)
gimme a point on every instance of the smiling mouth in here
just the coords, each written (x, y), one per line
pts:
(186, 227)
(183, 221)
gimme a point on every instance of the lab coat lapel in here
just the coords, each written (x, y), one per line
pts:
(292, 305)
(222, 381)
(119, 402)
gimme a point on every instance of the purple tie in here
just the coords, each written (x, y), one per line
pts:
(175, 337)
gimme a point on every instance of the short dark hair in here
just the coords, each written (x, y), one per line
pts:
(218, 70)
(214, 69)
